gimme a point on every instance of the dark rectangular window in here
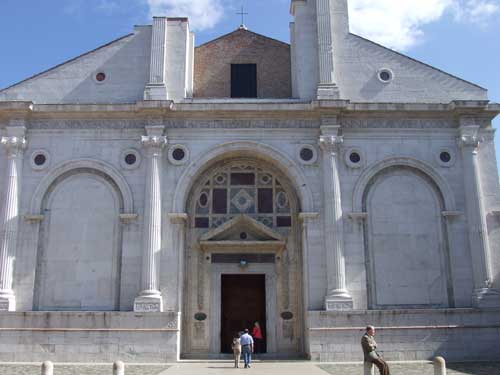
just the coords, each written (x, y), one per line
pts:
(265, 197)
(242, 179)
(284, 221)
(243, 80)
(201, 222)
(219, 201)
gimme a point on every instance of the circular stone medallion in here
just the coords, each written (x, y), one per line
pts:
(200, 316)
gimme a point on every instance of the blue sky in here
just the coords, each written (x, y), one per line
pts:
(458, 36)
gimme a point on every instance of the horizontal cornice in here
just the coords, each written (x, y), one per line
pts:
(229, 107)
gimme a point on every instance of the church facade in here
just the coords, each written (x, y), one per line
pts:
(157, 197)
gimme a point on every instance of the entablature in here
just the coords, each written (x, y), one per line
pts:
(269, 112)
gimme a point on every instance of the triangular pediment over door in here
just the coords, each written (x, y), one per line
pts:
(242, 233)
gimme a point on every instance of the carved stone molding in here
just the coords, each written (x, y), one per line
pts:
(466, 121)
(33, 219)
(306, 217)
(147, 306)
(87, 124)
(128, 218)
(381, 123)
(118, 124)
(178, 218)
(469, 141)
(154, 141)
(339, 306)
(14, 145)
(469, 137)
(330, 143)
(243, 124)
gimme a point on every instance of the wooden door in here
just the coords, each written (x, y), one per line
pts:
(243, 301)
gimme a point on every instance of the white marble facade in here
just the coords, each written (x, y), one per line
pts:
(391, 186)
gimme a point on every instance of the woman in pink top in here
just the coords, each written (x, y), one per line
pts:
(258, 338)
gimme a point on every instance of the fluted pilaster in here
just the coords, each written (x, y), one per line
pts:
(178, 222)
(9, 216)
(337, 297)
(150, 297)
(327, 88)
(156, 89)
(484, 295)
(310, 232)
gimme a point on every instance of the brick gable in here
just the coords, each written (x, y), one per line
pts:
(212, 65)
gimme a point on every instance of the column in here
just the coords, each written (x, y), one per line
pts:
(156, 89)
(15, 144)
(178, 222)
(150, 299)
(338, 297)
(483, 295)
(327, 88)
(309, 222)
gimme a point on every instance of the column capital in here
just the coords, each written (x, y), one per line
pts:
(14, 145)
(469, 136)
(178, 218)
(308, 217)
(330, 143)
(154, 141)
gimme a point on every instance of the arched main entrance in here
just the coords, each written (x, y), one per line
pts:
(242, 259)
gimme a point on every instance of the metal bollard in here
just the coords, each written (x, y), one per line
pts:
(118, 368)
(47, 368)
(439, 366)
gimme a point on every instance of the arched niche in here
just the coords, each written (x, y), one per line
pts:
(92, 165)
(80, 238)
(406, 237)
(372, 171)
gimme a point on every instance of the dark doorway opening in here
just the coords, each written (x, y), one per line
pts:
(243, 80)
(243, 301)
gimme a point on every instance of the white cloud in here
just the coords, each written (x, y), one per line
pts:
(203, 14)
(477, 11)
(398, 24)
(395, 23)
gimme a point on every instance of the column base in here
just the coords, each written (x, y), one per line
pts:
(156, 91)
(7, 301)
(486, 298)
(328, 91)
(148, 303)
(339, 301)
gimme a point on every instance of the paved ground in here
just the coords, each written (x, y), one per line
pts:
(260, 368)
(420, 369)
(15, 369)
